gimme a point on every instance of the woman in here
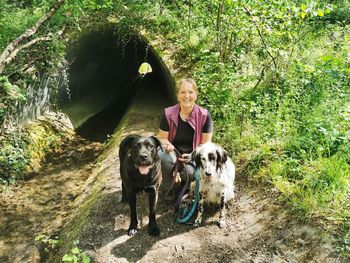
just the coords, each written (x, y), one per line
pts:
(182, 128)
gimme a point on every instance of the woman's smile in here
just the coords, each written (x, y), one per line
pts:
(187, 96)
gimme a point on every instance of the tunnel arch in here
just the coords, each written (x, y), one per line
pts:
(103, 78)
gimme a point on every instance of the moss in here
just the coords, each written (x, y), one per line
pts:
(23, 151)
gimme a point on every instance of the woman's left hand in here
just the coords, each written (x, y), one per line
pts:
(185, 158)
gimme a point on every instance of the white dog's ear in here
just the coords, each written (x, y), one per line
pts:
(196, 157)
(221, 156)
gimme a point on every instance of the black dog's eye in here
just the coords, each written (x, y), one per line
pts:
(136, 146)
(150, 146)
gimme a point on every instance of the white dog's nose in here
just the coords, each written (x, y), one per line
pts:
(207, 174)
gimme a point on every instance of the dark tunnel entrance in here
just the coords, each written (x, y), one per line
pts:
(103, 78)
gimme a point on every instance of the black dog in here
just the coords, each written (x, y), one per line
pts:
(140, 171)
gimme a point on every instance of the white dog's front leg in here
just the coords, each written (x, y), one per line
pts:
(222, 222)
(199, 217)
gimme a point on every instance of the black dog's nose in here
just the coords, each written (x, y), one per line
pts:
(143, 157)
(207, 174)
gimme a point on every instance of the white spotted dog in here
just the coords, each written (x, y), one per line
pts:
(216, 182)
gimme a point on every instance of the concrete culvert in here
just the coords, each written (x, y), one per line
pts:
(103, 78)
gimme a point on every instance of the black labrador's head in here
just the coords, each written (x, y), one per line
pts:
(143, 151)
(210, 158)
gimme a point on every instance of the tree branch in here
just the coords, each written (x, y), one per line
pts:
(261, 36)
(7, 54)
(13, 54)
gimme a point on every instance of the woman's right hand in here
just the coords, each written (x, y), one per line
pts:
(168, 147)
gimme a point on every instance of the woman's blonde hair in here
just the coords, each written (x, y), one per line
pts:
(188, 81)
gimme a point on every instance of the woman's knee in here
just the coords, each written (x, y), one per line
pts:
(188, 172)
(166, 158)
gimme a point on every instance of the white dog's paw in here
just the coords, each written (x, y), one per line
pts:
(222, 223)
(197, 222)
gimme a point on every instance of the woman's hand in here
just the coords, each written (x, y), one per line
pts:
(168, 147)
(185, 158)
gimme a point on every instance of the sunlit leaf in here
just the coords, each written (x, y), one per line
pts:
(320, 13)
(67, 258)
(86, 259)
(75, 250)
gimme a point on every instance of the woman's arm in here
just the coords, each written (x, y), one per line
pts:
(206, 137)
(163, 137)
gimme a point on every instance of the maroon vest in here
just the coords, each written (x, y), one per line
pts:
(196, 120)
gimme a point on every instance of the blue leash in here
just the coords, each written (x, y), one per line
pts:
(196, 194)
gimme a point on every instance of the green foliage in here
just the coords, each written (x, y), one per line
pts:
(12, 92)
(275, 77)
(344, 247)
(9, 95)
(16, 17)
(14, 157)
(50, 243)
(76, 255)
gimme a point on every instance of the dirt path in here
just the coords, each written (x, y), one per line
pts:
(41, 205)
(257, 229)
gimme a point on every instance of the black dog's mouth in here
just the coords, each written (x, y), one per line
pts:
(144, 169)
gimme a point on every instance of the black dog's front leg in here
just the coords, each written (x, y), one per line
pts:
(133, 216)
(124, 194)
(153, 229)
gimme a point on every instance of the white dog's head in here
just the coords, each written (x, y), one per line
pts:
(210, 158)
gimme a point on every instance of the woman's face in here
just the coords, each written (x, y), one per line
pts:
(186, 95)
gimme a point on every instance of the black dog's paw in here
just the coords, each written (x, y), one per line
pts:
(153, 230)
(132, 231)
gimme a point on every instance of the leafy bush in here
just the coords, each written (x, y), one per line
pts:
(14, 157)
(76, 255)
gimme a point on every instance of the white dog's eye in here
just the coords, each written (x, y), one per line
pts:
(211, 157)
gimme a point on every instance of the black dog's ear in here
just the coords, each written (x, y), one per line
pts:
(126, 143)
(124, 147)
(157, 141)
